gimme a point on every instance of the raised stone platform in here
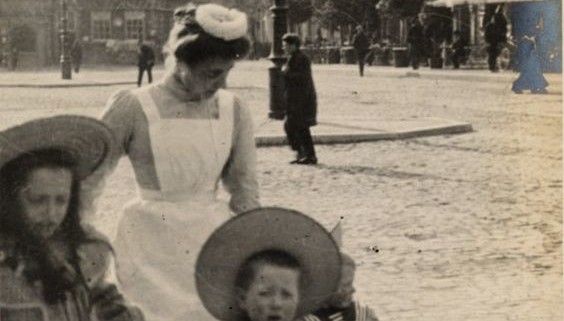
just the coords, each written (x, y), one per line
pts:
(351, 130)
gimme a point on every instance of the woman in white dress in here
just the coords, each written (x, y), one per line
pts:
(183, 135)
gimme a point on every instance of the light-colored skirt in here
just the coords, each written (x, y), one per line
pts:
(157, 245)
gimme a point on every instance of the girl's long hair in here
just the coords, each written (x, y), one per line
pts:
(56, 279)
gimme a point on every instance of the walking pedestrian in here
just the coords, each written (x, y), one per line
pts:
(183, 136)
(416, 42)
(458, 49)
(76, 55)
(301, 101)
(52, 268)
(528, 62)
(495, 36)
(145, 62)
(14, 56)
(361, 46)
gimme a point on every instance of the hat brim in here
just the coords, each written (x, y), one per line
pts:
(86, 139)
(264, 229)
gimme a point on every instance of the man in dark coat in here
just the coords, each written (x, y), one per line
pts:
(361, 46)
(458, 49)
(76, 55)
(146, 60)
(496, 35)
(416, 41)
(301, 101)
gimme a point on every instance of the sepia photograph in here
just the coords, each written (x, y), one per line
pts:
(281, 160)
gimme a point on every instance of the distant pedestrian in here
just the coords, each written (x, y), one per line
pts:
(145, 62)
(531, 77)
(416, 41)
(5, 53)
(458, 49)
(361, 46)
(301, 100)
(14, 56)
(76, 55)
(496, 35)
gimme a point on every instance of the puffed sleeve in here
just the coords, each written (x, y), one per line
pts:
(239, 174)
(121, 115)
(96, 263)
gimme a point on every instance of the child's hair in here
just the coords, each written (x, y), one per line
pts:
(16, 173)
(12, 178)
(247, 272)
(292, 39)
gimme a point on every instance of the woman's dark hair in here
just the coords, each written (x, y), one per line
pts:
(13, 176)
(206, 46)
(247, 272)
(202, 45)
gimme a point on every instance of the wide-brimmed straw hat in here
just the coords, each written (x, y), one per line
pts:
(87, 140)
(259, 230)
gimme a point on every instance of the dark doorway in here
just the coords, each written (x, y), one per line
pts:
(23, 38)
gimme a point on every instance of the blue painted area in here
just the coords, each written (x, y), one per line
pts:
(543, 20)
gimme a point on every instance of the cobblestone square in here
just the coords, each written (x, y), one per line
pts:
(453, 227)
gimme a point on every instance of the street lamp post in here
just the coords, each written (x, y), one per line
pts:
(277, 102)
(65, 58)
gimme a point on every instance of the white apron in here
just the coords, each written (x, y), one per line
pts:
(161, 233)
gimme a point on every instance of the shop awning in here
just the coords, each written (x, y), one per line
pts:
(452, 3)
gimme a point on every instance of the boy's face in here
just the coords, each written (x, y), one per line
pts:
(344, 295)
(44, 200)
(289, 48)
(273, 295)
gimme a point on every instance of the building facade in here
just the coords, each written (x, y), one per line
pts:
(28, 26)
(109, 30)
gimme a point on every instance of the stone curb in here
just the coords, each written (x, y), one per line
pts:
(554, 79)
(279, 140)
(410, 74)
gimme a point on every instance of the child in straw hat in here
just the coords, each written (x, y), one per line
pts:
(51, 268)
(270, 264)
(341, 305)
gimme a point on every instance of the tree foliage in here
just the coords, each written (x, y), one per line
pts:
(402, 8)
(300, 11)
(346, 12)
